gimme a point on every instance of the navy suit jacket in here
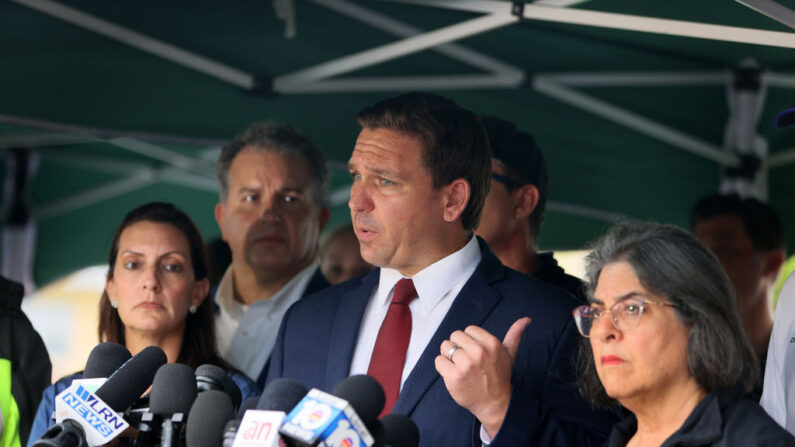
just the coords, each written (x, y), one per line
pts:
(317, 283)
(318, 335)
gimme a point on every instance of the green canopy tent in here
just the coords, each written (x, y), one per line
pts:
(638, 106)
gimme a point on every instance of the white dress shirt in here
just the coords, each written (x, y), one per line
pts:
(778, 392)
(437, 286)
(245, 334)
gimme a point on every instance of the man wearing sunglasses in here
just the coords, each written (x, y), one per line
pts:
(514, 208)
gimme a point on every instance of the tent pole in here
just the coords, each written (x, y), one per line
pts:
(633, 121)
(626, 22)
(294, 81)
(773, 10)
(401, 29)
(143, 42)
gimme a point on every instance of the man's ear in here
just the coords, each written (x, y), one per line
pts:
(219, 217)
(456, 198)
(774, 259)
(527, 197)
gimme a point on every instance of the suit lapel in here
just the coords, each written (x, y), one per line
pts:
(345, 330)
(472, 306)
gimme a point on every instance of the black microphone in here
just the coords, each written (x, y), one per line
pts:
(133, 378)
(211, 377)
(248, 404)
(376, 430)
(365, 396)
(173, 393)
(281, 395)
(208, 415)
(121, 389)
(400, 431)
(104, 360)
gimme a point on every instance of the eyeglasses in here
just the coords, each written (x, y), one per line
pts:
(624, 314)
(505, 180)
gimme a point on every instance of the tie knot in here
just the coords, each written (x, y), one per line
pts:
(404, 291)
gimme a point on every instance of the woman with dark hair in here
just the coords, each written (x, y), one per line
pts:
(155, 295)
(664, 339)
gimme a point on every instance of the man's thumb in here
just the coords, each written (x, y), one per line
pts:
(514, 335)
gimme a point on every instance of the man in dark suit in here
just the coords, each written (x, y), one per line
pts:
(421, 170)
(272, 183)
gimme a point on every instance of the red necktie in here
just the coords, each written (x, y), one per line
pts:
(389, 353)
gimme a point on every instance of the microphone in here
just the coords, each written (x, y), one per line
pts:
(400, 431)
(89, 419)
(104, 360)
(207, 417)
(376, 430)
(133, 378)
(173, 393)
(211, 377)
(259, 427)
(337, 419)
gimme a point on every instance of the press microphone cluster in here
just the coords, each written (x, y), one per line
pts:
(197, 409)
(85, 418)
(94, 410)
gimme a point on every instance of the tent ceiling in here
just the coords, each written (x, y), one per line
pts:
(632, 123)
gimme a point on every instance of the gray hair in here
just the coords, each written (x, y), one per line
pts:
(672, 263)
(268, 136)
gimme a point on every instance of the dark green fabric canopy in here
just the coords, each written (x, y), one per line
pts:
(115, 126)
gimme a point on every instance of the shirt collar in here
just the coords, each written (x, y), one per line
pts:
(225, 296)
(436, 280)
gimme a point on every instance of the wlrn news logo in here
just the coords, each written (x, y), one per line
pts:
(98, 420)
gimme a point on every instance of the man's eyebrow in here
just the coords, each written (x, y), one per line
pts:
(376, 171)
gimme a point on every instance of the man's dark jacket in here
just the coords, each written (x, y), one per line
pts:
(318, 335)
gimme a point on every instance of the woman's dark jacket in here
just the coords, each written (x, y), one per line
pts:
(722, 418)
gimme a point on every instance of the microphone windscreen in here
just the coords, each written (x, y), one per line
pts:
(104, 360)
(232, 390)
(214, 373)
(173, 390)
(212, 377)
(125, 385)
(400, 431)
(281, 395)
(249, 404)
(364, 394)
(209, 414)
(376, 430)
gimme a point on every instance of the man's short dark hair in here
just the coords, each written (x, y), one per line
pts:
(267, 136)
(454, 142)
(761, 222)
(522, 161)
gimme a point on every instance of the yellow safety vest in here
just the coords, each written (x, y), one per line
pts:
(10, 434)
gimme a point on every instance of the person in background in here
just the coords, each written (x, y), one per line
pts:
(25, 368)
(155, 295)
(272, 184)
(515, 205)
(340, 259)
(778, 395)
(747, 237)
(664, 339)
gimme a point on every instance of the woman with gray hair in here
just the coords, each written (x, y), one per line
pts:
(672, 349)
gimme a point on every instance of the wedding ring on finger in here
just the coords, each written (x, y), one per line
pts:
(452, 351)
